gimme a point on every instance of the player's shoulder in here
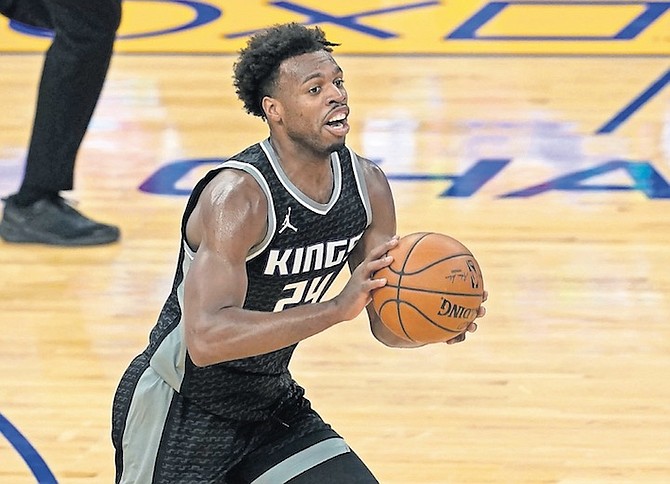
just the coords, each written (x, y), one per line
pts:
(371, 170)
(239, 173)
(232, 185)
(251, 153)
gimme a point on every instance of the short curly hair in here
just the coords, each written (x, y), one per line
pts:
(257, 68)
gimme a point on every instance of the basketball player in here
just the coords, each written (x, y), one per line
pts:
(211, 399)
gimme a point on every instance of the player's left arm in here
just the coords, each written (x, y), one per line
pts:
(382, 228)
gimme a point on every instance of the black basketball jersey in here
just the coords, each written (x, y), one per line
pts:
(306, 245)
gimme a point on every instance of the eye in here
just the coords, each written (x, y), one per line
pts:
(315, 90)
(338, 82)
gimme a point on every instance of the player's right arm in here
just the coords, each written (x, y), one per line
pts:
(229, 219)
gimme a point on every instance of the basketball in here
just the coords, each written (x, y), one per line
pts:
(434, 288)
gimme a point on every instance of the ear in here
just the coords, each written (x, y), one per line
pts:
(272, 108)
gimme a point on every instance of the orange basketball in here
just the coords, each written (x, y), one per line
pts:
(434, 288)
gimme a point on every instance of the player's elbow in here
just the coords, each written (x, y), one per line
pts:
(197, 351)
(199, 347)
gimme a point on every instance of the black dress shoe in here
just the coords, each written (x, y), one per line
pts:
(52, 221)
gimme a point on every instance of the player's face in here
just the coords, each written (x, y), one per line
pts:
(314, 101)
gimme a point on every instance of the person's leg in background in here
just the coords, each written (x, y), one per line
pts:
(75, 68)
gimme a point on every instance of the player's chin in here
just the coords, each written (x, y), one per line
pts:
(335, 146)
(338, 132)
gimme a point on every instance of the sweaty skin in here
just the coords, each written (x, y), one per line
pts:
(307, 115)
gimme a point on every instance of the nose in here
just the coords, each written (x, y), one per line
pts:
(338, 94)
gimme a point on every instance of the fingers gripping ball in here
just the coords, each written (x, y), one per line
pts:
(434, 288)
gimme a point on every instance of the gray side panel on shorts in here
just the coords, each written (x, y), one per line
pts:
(303, 461)
(144, 427)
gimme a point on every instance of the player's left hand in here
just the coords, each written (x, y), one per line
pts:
(472, 327)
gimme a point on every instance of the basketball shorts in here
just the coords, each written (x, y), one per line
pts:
(162, 438)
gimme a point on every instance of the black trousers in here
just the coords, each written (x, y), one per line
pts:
(74, 71)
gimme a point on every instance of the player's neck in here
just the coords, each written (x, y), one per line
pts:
(310, 172)
(290, 152)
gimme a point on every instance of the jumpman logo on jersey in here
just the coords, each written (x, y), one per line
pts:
(287, 223)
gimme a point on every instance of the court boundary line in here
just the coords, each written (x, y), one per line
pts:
(27, 452)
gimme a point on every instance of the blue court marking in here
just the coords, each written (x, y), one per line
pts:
(204, 14)
(347, 21)
(636, 104)
(468, 30)
(27, 452)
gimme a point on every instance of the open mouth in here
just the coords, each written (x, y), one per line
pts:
(338, 121)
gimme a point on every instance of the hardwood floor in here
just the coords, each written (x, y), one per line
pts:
(566, 379)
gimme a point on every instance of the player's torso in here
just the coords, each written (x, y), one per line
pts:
(307, 242)
(306, 245)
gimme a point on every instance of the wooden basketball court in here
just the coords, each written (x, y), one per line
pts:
(546, 154)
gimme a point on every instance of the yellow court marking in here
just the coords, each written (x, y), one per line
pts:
(390, 27)
(564, 21)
